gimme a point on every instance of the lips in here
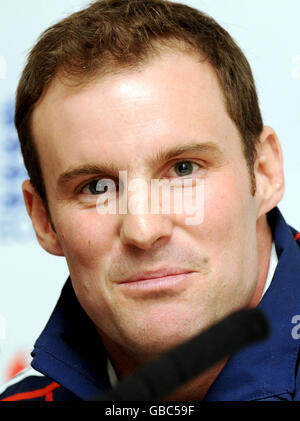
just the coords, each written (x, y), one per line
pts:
(161, 273)
(165, 284)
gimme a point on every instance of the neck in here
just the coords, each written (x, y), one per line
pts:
(264, 246)
(197, 388)
(192, 391)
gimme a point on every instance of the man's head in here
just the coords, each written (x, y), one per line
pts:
(141, 106)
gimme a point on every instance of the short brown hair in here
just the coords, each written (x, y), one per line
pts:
(111, 35)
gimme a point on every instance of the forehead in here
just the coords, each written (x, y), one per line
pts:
(125, 117)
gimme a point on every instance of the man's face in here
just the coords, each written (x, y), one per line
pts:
(125, 120)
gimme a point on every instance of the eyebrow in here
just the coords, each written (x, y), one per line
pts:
(109, 168)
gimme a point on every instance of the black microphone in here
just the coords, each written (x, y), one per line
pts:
(181, 364)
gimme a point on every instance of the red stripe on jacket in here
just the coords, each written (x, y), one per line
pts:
(38, 393)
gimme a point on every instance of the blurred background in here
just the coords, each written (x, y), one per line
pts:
(268, 32)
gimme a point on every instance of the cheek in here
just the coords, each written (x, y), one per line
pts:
(229, 205)
(86, 237)
(228, 228)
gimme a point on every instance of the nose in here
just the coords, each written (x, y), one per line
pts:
(145, 231)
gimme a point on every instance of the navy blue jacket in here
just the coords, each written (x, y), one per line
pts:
(73, 361)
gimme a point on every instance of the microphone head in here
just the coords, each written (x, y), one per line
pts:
(255, 323)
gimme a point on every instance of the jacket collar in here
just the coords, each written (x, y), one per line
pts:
(70, 352)
(69, 349)
(268, 369)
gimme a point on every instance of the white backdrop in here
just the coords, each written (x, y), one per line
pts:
(268, 31)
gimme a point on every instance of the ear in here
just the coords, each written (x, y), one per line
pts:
(41, 223)
(268, 171)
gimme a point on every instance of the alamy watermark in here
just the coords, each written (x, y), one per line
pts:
(3, 67)
(179, 196)
(296, 329)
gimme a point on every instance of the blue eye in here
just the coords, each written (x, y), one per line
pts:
(184, 168)
(95, 187)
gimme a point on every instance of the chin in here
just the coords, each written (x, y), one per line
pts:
(157, 340)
